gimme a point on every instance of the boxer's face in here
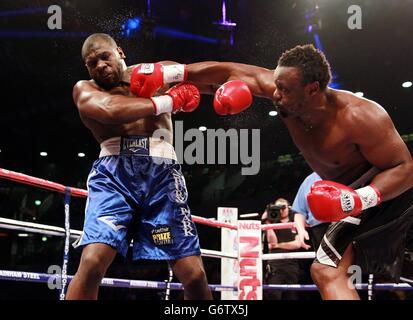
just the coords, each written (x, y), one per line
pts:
(105, 64)
(289, 94)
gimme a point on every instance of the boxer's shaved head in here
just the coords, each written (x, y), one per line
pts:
(104, 60)
(96, 39)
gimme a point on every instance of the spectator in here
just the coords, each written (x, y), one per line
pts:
(285, 271)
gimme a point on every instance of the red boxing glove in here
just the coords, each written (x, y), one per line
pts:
(232, 97)
(182, 97)
(147, 78)
(330, 201)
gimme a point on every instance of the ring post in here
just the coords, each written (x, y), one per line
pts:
(229, 267)
(67, 243)
(250, 261)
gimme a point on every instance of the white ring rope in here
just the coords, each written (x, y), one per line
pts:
(57, 231)
(289, 255)
(36, 228)
(218, 254)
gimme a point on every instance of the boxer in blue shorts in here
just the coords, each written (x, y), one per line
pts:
(136, 188)
(148, 188)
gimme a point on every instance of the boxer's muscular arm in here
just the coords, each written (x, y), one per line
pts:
(259, 80)
(109, 108)
(382, 146)
(203, 88)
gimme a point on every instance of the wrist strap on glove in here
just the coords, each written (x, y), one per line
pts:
(370, 196)
(162, 104)
(174, 73)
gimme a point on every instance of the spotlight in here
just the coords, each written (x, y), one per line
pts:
(226, 28)
(273, 113)
(43, 154)
(81, 155)
(130, 26)
(202, 128)
(133, 23)
(407, 84)
(359, 94)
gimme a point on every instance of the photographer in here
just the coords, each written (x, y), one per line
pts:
(285, 271)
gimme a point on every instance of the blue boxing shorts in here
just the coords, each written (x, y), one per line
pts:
(137, 192)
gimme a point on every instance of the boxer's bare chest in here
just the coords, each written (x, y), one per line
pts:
(145, 126)
(329, 150)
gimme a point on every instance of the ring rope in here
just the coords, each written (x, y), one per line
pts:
(57, 231)
(76, 192)
(143, 284)
(106, 282)
(37, 182)
(288, 255)
(12, 224)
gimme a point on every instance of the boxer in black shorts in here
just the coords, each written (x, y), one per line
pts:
(377, 235)
(342, 137)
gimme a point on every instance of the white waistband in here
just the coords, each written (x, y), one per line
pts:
(157, 148)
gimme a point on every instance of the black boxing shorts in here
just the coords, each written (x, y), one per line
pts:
(378, 236)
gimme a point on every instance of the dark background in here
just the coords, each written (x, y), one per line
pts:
(40, 66)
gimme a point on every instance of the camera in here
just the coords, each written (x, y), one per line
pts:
(273, 211)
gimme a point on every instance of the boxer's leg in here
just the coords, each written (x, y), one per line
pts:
(333, 258)
(95, 260)
(332, 282)
(190, 272)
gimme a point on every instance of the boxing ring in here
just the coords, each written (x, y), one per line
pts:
(248, 258)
